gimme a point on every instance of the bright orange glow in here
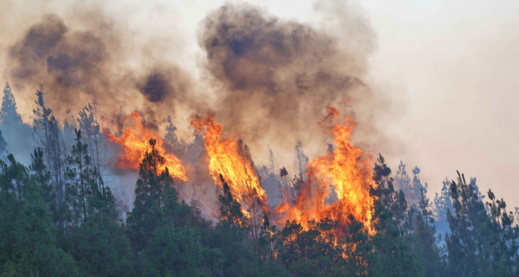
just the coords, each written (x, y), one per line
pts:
(345, 173)
(135, 142)
(231, 159)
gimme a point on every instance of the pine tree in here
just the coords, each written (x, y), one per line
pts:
(231, 215)
(28, 244)
(81, 177)
(3, 146)
(150, 198)
(42, 177)
(9, 113)
(425, 240)
(8, 117)
(93, 135)
(266, 238)
(389, 198)
(14, 133)
(417, 188)
(402, 180)
(443, 203)
(468, 244)
(504, 237)
(93, 234)
(394, 255)
(313, 246)
(412, 189)
(47, 131)
(163, 232)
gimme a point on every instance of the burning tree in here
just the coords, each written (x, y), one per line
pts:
(345, 173)
(231, 159)
(153, 189)
(134, 142)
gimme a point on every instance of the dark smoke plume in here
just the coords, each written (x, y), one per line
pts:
(164, 84)
(81, 66)
(156, 87)
(279, 75)
(265, 78)
(59, 58)
(271, 76)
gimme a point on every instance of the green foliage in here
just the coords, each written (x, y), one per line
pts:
(155, 200)
(425, 243)
(28, 245)
(3, 146)
(394, 254)
(469, 225)
(504, 238)
(483, 240)
(163, 236)
(163, 232)
(314, 244)
(80, 180)
(48, 134)
(101, 242)
(176, 252)
(231, 251)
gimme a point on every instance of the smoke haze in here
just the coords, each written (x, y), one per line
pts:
(265, 78)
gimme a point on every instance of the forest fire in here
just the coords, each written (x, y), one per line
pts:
(135, 142)
(231, 159)
(343, 172)
(290, 187)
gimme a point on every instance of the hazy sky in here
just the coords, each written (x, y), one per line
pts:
(458, 64)
(451, 68)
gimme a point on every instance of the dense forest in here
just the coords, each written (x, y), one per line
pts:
(59, 218)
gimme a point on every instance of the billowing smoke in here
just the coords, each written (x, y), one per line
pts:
(265, 78)
(278, 75)
(162, 84)
(88, 65)
(156, 87)
(65, 61)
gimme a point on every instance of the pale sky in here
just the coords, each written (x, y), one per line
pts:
(451, 68)
(458, 64)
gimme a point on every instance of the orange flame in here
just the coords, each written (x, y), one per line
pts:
(344, 172)
(232, 160)
(134, 142)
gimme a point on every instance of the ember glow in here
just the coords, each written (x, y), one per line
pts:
(231, 159)
(135, 142)
(344, 172)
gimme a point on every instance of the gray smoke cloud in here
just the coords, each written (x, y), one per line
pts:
(163, 84)
(63, 60)
(278, 75)
(265, 78)
(156, 87)
(268, 77)
(78, 65)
